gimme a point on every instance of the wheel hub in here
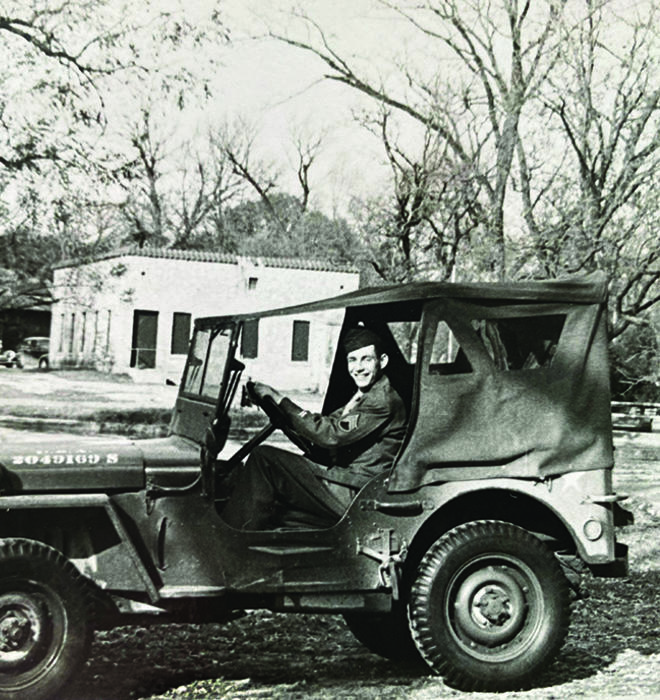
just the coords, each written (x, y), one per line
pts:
(490, 606)
(20, 629)
(493, 605)
(14, 630)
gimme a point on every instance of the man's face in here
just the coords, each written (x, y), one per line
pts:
(365, 366)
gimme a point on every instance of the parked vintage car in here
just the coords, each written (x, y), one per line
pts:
(8, 358)
(464, 553)
(32, 352)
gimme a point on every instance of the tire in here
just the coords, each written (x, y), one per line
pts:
(489, 607)
(45, 629)
(43, 363)
(385, 634)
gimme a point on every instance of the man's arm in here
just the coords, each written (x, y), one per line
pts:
(335, 430)
(263, 390)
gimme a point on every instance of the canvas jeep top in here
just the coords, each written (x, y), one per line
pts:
(462, 554)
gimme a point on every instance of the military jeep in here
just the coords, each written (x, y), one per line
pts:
(462, 555)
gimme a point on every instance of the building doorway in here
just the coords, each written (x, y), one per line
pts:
(145, 333)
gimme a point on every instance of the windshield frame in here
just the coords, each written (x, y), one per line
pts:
(201, 382)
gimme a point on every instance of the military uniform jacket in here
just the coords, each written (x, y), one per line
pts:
(357, 441)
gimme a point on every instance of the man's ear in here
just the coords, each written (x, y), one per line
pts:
(384, 359)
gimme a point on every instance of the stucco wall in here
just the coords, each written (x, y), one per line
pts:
(92, 319)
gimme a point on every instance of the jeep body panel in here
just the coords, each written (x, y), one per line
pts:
(175, 546)
(96, 465)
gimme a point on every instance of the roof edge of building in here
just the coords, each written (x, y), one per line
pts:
(210, 256)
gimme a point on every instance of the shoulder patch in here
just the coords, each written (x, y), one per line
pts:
(350, 422)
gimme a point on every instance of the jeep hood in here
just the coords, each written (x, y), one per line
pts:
(92, 464)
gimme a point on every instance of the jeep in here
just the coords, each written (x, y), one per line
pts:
(464, 554)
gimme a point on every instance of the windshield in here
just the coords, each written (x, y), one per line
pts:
(206, 363)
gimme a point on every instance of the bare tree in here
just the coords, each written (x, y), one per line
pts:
(502, 54)
(145, 208)
(70, 68)
(429, 217)
(66, 55)
(307, 149)
(237, 146)
(602, 210)
(262, 178)
(208, 185)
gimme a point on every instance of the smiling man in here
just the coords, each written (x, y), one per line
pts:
(351, 445)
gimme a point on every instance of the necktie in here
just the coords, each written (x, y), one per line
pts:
(355, 400)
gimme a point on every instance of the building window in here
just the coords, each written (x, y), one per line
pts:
(145, 333)
(180, 334)
(72, 332)
(250, 339)
(300, 341)
(96, 330)
(83, 331)
(62, 331)
(252, 282)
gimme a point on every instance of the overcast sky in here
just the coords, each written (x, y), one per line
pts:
(280, 87)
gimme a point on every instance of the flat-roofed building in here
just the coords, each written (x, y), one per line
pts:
(131, 311)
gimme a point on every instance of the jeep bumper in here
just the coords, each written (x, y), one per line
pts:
(614, 569)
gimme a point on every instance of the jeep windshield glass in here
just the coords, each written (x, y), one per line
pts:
(206, 362)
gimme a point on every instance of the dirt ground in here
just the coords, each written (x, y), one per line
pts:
(613, 647)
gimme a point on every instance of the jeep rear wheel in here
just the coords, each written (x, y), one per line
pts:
(489, 607)
(44, 622)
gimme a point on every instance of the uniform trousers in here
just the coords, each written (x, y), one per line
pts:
(276, 488)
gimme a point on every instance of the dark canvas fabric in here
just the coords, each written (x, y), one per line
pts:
(529, 423)
(590, 288)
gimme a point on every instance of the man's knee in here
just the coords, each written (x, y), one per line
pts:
(262, 453)
(265, 457)
(265, 464)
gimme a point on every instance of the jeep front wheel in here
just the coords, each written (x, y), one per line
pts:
(489, 607)
(44, 622)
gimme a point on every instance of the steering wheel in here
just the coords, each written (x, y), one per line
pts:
(277, 417)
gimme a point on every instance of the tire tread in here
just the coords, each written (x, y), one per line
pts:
(433, 560)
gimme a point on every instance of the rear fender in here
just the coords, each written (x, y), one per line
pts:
(565, 510)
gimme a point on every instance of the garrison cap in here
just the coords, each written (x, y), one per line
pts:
(361, 337)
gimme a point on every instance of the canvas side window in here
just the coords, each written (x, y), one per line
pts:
(406, 335)
(447, 356)
(521, 343)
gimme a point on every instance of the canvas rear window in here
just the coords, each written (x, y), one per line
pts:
(521, 343)
(447, 356)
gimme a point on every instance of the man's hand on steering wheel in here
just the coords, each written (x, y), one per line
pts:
(263, 390)
(268, 399)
